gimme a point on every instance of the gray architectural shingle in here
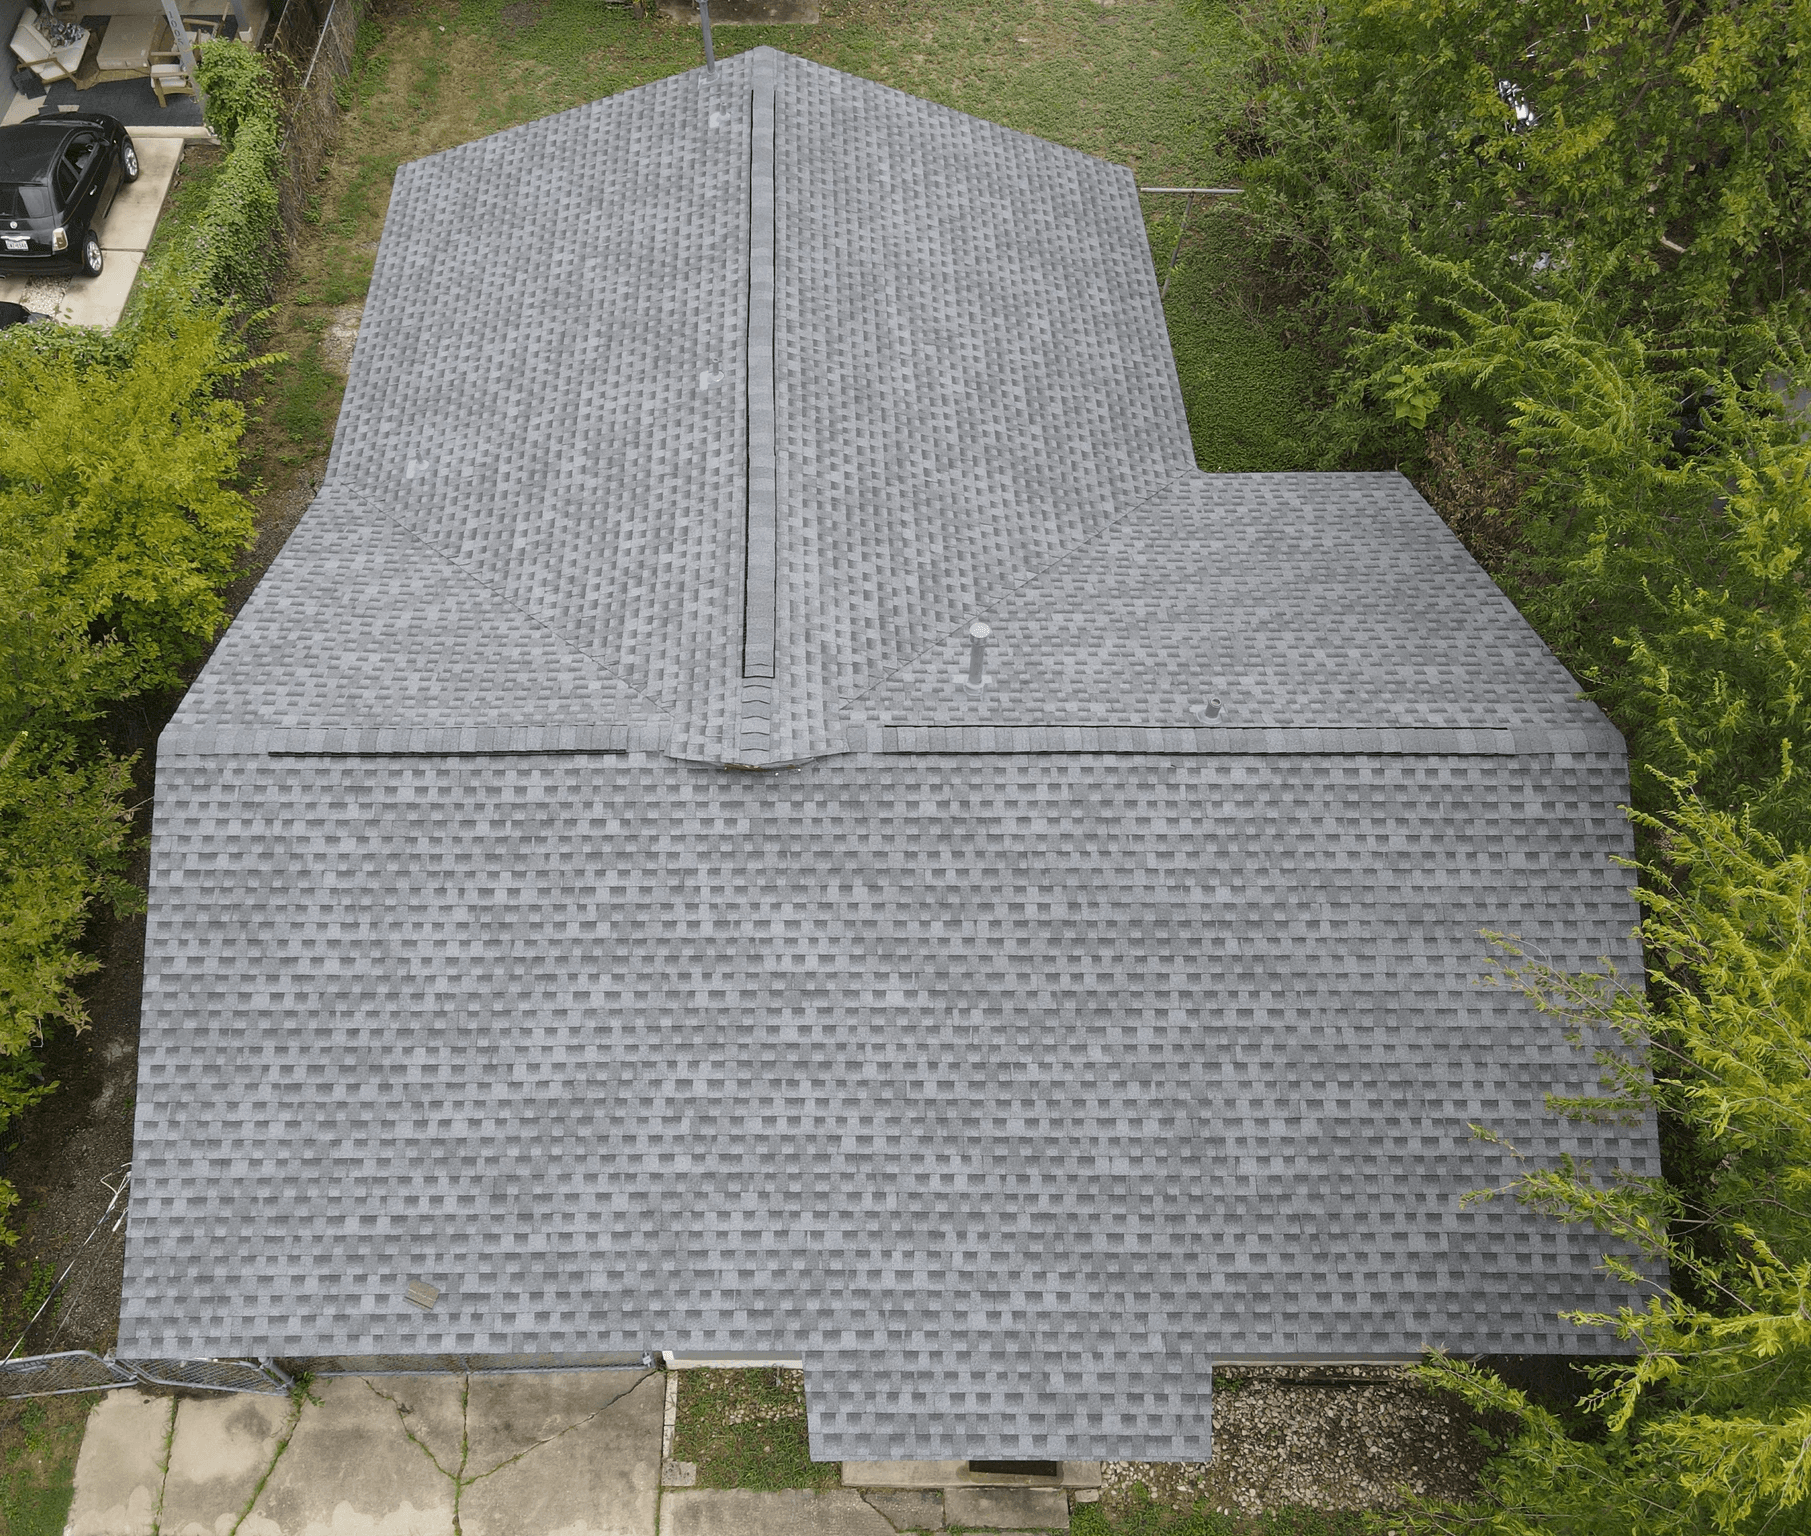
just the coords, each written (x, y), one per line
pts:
(1009, 1056)
(904, 1064)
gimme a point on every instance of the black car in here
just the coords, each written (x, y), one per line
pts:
(58, 177)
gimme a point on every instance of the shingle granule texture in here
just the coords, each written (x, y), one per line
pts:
(1009, 1056)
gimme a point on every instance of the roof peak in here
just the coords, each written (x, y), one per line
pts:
(818, 374)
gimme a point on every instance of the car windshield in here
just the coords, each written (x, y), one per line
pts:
(30, 201)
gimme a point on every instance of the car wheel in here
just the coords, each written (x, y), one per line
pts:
(93, 258)
(128, 159)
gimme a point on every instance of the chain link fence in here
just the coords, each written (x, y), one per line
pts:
(74, 1370)
(459, 1365)
(212, 1375)
(297, 27)
(311, 52)
(78, 1370)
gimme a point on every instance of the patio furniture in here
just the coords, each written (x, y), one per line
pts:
(169, 77)
(128, 42)
(36, 45)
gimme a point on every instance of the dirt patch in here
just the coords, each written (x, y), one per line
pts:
(66, 1154)
(66, 1157)
(341, 336)
(522, 15)
(1316, 1437)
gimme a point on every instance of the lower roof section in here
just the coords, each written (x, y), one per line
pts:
(1008, 1092)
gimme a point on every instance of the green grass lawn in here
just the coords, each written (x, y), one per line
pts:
(746, 1429)
(1128, 80)
(39, 1441)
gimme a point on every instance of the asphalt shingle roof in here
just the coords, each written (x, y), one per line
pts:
(1009, 1057)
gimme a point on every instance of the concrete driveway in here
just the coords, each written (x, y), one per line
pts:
(552, 1454)
(101, 300)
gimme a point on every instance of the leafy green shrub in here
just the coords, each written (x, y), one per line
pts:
(237, 247)
(117, 526)
(240, 239)
(116, 536)
(238, 87)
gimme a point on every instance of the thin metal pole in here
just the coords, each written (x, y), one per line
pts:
(313, 57)
(1176, 250)
(704, 18)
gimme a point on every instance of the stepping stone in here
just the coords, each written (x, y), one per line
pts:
(1007, 1509)
(748, 1512)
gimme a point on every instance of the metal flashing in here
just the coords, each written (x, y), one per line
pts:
(760, 570)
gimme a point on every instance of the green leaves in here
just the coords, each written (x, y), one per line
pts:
(63, 829)
(116, 528)
(1564, 262)
(237, 247)
(1412, 395)
(117, 533)
(238, 86)
(1706, 1425)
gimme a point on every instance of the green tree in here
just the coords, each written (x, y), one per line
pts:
(1586, 238)
(1709, 1428)
(117, 522)
(1670, 569)
(1556, 263)
(1658, 154)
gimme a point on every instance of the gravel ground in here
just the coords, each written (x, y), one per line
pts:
(1324, 1437)
(786, 1400)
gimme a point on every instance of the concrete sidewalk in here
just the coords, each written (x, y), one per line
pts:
(538, 1454)
(125, 236)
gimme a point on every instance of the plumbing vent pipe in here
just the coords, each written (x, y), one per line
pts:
(978, 634)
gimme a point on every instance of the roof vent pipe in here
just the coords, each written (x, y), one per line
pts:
(704, 20)
(978, 634)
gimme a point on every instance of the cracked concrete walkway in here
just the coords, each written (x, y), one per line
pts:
(540, 1454)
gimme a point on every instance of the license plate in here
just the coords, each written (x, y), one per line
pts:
(17, 245)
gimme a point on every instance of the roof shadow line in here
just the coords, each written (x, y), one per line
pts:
(472, 576)
(983, 604)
